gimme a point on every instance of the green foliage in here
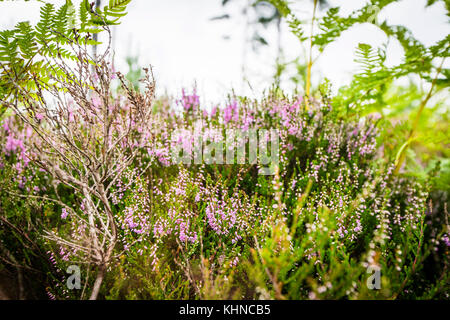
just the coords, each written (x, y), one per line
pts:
(372, 81)
(111, 13)
(24, 50)
(294, 23)
(134, 73)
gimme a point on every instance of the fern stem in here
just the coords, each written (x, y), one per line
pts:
(419, 113)
(310, 60)
(424, 102)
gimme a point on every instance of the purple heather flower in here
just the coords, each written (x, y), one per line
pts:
(64, 213)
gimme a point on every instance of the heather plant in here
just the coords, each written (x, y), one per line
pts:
(333, 210)
(85, 141)
(138, 193)
(310, 231)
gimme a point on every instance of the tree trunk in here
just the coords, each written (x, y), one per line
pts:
(98, 283)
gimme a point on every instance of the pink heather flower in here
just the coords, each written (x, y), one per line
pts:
(213, 112)
(113, 73)
(64, 213)
(71, 116)
(446, 240)
(248, 120)
(50, 295)
(6, 126)
(51, 258)
(39, 116)
(29, 132)
(229, 111)
(96, 102)
(375, 116)
(12, 144)
(189, 101)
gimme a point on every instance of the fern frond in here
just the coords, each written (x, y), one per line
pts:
(61, 21)
(25, 49)
(116, 8)
(45, 24)
(26, 40)
(110, 14)
(84, 14)
(441, 48)
(8, 46)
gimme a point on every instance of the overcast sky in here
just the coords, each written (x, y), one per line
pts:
(178, 39)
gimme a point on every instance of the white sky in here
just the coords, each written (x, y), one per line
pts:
(178, 39)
